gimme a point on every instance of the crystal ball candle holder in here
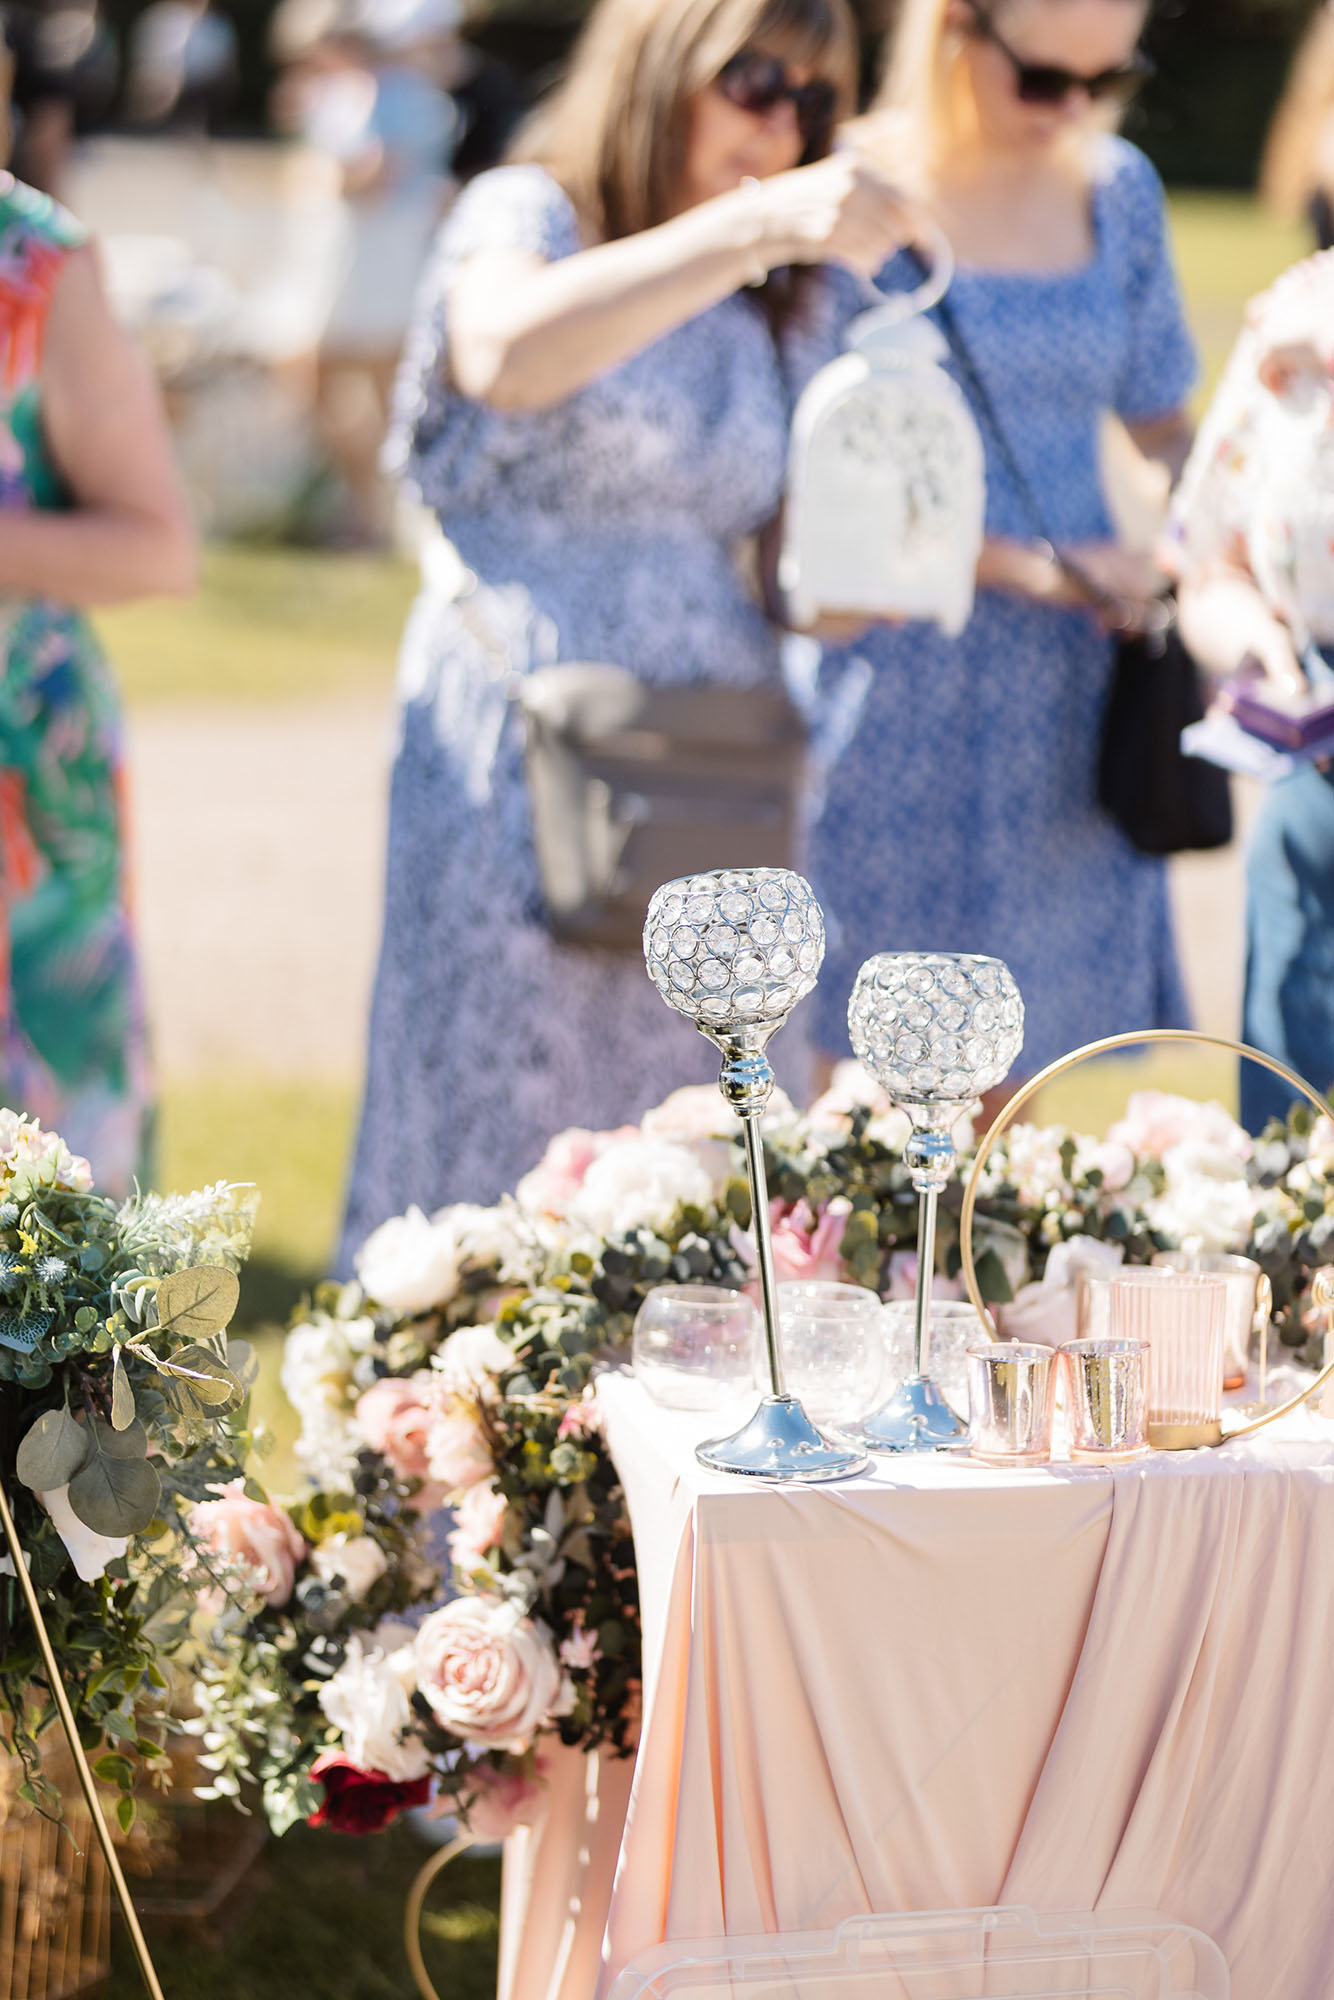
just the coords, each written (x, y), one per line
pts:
(935, 1029)
(734, 951)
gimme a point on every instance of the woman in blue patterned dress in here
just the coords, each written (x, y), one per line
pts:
(594, 407)
(961, 813)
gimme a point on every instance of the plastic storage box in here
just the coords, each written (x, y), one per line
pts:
(993, 1954)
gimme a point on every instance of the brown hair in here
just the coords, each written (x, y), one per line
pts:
(1298, 144)
(613, 132)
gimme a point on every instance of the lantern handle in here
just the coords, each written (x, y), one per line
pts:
(935, 253)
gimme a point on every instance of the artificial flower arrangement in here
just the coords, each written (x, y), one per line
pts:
(457, 1374)
(124, 1406)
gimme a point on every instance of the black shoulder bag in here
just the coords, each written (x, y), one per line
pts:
(1164, 801)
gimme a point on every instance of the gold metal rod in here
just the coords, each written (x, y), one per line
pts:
(1104, 1047)
(87, 1785)
(412, 1916)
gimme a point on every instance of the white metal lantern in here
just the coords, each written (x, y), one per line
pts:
(886, 477)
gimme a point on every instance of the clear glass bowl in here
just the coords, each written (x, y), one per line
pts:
(833, 1348)
(695, 1346)
(954, 1328)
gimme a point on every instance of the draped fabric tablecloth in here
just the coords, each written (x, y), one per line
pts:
(943, 1686)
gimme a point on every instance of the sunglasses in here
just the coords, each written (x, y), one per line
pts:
(756, 82)
(1048, 83)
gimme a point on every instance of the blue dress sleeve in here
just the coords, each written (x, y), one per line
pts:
(1160, 361)
(439, 441)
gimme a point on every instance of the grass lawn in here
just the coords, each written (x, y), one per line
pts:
(320, 1917)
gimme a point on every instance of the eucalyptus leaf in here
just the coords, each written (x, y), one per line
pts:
(53, 1451)
(210, 1380)
(243, 1362)
(199, 1301)
(116, 1496)
(130, 1443)
(122, 1396)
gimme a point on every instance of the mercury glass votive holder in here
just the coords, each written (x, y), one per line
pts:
(1182, 1318)
(1242, 1275)
(1107, 1398)
(1011, 1399)
(833, 1347)
(695, 1347)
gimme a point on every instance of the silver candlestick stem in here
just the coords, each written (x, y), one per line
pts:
(734, 951)
(935, 1029)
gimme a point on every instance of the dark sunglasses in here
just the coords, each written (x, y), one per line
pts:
(756, 82)
(1048, 83)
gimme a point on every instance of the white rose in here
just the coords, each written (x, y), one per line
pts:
(1082, 1253)
(471, 1359)
(639, 1183)
(489, 1239)
(1201, 1160)
(411, 1264)
(367, 1703)
(89, 1553)
(357, 1559)
(319, 1358)
(1206, 1214)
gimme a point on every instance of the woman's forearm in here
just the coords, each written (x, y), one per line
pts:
(1223, 616)
(525, 335)
(94, 555)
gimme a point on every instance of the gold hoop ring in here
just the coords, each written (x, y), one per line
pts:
(412, 1915)
(1322, 1288)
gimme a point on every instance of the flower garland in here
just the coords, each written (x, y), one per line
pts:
(457, 1373)
(124, 1406)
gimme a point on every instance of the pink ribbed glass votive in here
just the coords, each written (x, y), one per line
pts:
(1182, 1317)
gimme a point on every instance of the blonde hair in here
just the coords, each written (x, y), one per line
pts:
(1289, 171)
(614, 131)
(924, 98)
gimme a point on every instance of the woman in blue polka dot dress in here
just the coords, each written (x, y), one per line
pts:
(960, 813)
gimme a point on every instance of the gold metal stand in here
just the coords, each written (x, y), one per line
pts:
(1322, 1288)
(87, 1784)
(412, 1916)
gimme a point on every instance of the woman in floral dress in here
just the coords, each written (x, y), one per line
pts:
(92, 513)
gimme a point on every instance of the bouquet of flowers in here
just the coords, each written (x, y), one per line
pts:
(451, 1431)
(124, 1403)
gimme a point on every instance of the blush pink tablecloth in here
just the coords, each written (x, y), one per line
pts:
(941, 1686)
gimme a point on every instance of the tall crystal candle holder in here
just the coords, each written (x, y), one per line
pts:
(734, 951)
(935, 1029)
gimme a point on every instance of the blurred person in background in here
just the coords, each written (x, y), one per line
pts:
(962, 815)
(595, 407)
(183, 68)
(66, 72)
(1297, 172)
(1252, 540)
(93, 514)
(365, 90)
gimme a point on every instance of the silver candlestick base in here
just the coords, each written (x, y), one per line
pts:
(916, 1418)
(781, 1442)
(734, 951)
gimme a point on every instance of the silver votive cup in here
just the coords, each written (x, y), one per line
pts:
(1011, 1394)
(1107, 1384)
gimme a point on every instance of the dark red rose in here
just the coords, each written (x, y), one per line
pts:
(362, 1801)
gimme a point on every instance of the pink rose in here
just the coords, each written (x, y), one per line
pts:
(1156, 1121)
(850, 1089)
(489, 1674)
(499, 1801)
(806, 1245)
(903, 1279)
(254, 1534)
(479, 1524)
(395, 1416)
(581, 1419)
(557, 1178)
(457, 1451)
